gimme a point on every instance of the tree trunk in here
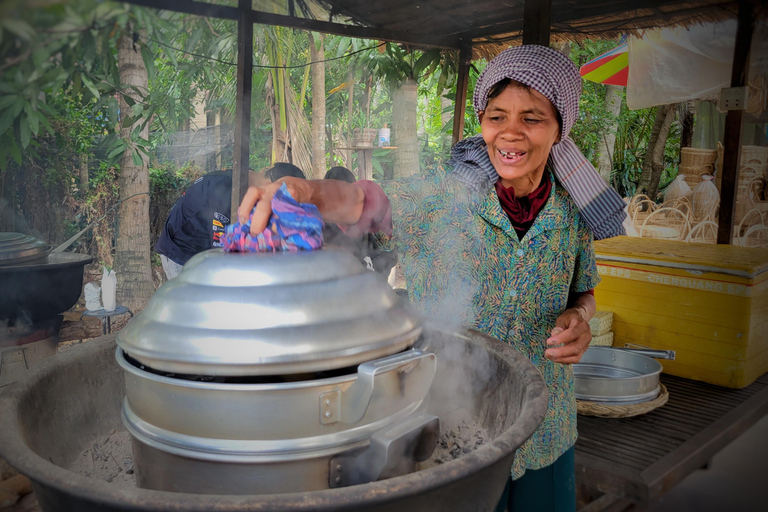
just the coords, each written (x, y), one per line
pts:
(404, 102)
(132, 263)
(607, 143)
(350, 113)
(317, 70)
(279, 149)
(84, 174)
(686, 133)
(653, 162)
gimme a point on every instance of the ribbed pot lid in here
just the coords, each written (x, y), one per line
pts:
(18, 247)
(269, 314)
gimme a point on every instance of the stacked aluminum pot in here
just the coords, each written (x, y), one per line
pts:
(275, 373)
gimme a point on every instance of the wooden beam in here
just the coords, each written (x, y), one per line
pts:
(281, 20)
(733, 124)
(462, 84)
(537, 20)
(190, 7)
(241, 151)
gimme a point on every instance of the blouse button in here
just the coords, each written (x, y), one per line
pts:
(513, 293)
(519, 252)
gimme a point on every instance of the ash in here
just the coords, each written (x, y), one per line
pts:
(460, 440)
(108, 458)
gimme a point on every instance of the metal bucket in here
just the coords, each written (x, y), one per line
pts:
(49, 417)
(618, 376)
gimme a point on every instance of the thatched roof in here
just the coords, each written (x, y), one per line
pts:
(490, 23)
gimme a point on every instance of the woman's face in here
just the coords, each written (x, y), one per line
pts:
(519, 126)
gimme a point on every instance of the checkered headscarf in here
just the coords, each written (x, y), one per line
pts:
(554, 76)
(542, 69)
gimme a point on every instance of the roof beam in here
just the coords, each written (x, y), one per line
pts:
(537, 19)
(327, 27)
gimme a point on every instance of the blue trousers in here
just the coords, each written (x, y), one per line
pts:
(549, 489)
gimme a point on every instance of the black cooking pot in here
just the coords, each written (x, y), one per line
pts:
(36, 288)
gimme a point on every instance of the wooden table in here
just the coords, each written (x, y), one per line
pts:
(364, 156)
(629, 463)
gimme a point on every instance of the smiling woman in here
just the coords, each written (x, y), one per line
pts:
(501, 240)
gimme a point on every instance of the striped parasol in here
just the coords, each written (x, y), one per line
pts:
(610, 68)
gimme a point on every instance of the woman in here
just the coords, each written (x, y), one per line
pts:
(501, 241)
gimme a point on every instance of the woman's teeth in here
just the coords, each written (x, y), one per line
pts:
(511, 154)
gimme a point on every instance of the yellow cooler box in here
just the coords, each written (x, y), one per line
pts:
(709, 303)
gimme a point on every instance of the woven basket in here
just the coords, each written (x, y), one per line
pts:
(751, 194)
(705, 232)
(622, 411)
(603, 340)
(665, 223)
(756, 156)
(601, 323)
(694, 157)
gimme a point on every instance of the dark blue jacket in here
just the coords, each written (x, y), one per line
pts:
(197, 220)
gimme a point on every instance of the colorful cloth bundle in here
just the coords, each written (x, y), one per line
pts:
(292, 227)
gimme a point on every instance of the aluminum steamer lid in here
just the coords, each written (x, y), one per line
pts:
(269, 314)
(17, 248)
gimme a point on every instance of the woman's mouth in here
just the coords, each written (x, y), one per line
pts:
(511, 156)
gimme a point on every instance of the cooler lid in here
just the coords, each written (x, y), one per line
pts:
(746, 262)
(270, 314)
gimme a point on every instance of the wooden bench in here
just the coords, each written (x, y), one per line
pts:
(628, 463)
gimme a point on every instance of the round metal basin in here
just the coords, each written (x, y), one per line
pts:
(48, 417)
(616, 377)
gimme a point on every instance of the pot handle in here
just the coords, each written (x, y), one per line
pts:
(392, 452)
(415, 370)
(645, 351)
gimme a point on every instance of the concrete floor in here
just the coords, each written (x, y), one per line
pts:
(736, 481)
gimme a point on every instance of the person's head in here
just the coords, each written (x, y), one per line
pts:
(527, 100)
(257, 178)
(340, 173)
(283, 169)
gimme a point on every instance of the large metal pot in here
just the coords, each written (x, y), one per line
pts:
(275, 373)
(36, 284)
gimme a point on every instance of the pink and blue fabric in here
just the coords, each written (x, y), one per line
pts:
(292, 227)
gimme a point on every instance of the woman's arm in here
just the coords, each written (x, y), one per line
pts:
(572, 331)
(338, 202)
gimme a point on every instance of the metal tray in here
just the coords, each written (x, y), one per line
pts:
(616, 376)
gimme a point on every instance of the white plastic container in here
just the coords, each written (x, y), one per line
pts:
(384, 134)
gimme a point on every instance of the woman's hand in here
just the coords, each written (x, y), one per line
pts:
(337, 201)
(261, 197)
(572, 332)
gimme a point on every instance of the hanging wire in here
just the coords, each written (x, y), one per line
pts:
(262, 66)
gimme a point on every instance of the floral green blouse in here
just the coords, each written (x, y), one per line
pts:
(464, 263)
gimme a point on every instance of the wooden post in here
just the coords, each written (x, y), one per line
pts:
(537, 18)
(733, 124)
(462, 83)
(243, 106)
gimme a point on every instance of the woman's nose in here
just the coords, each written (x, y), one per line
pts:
(513, 129)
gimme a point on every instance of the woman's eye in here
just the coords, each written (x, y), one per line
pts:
(532, 121)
